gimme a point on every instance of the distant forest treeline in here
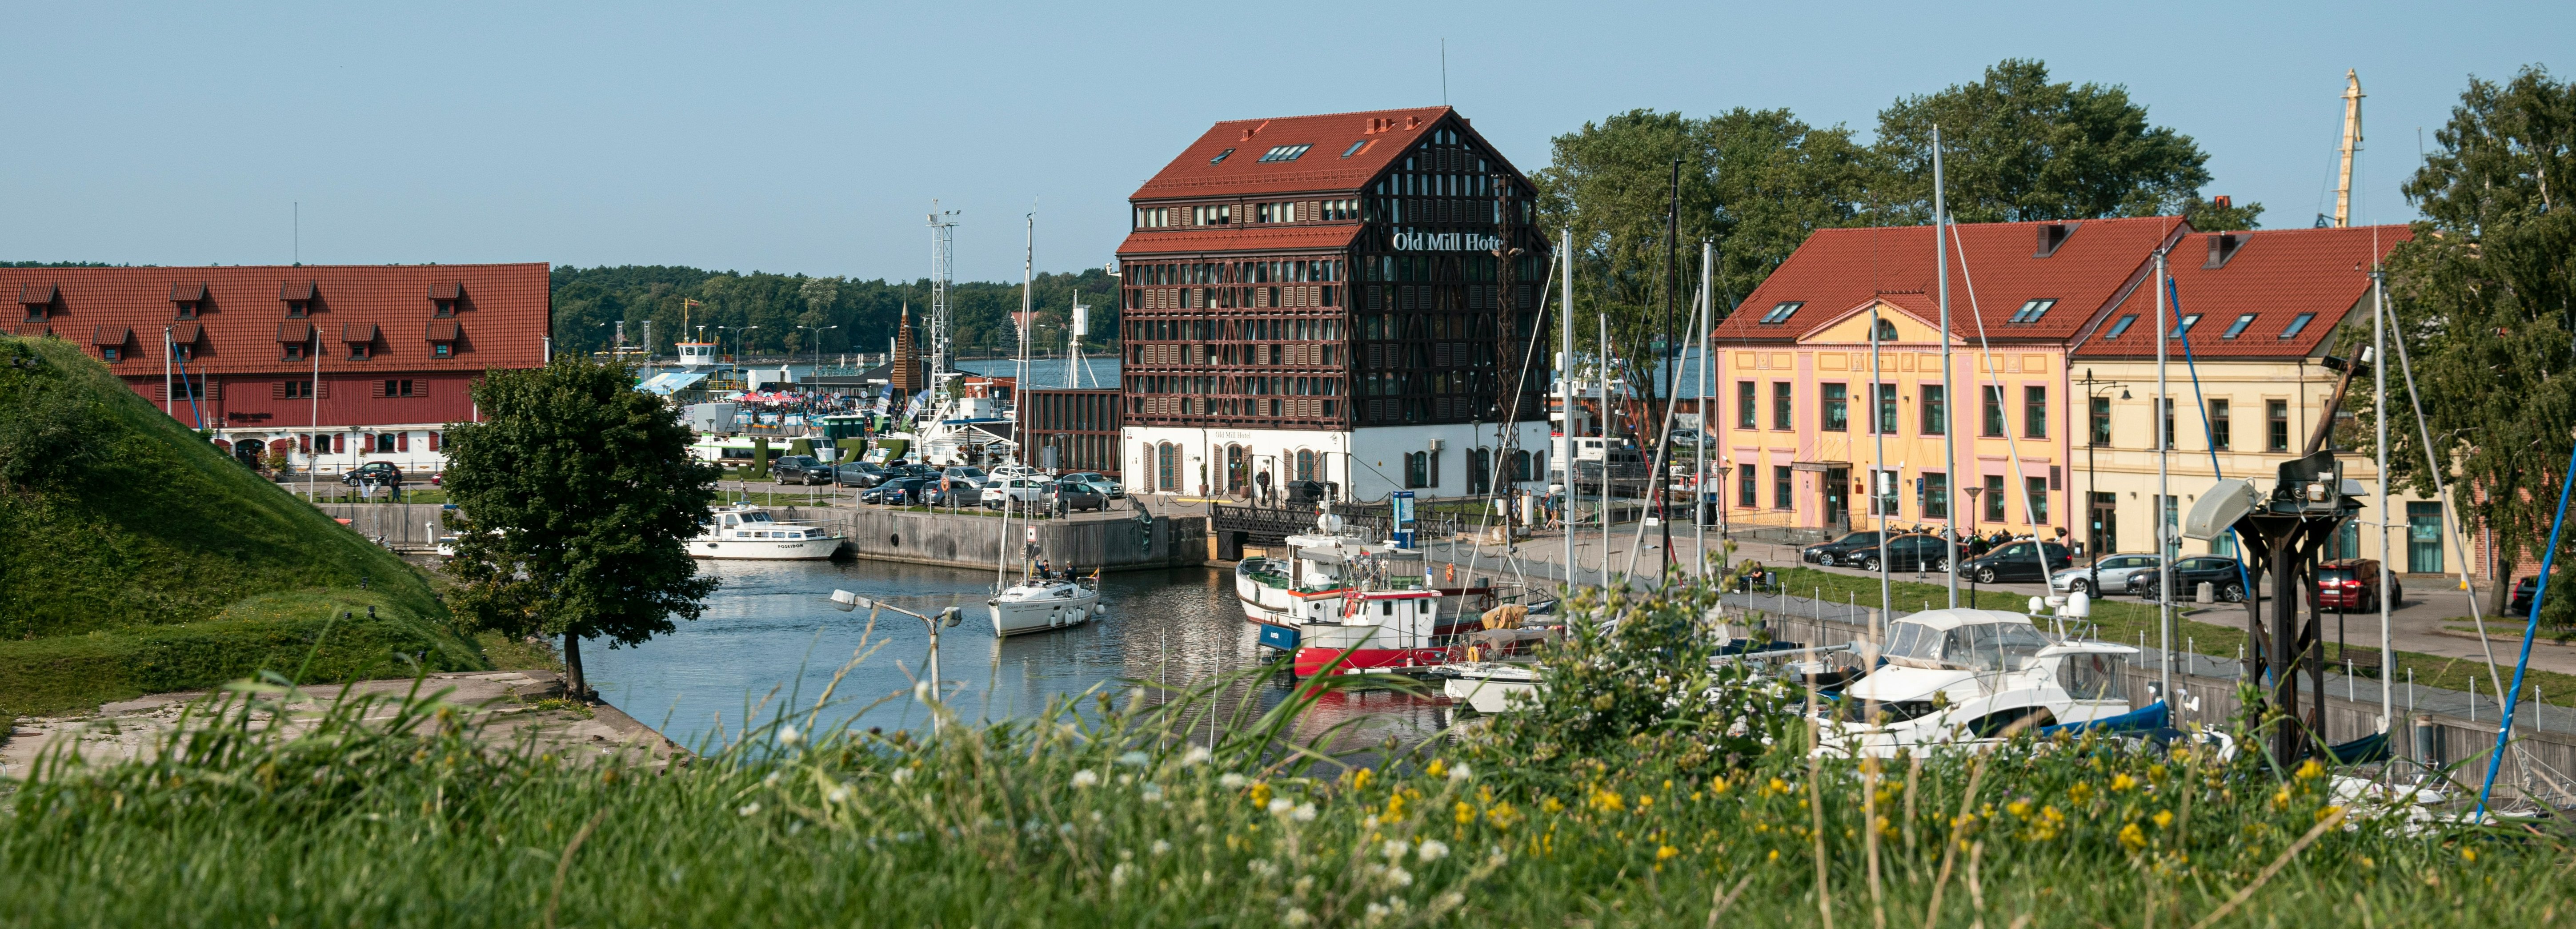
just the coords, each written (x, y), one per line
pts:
(589, 301)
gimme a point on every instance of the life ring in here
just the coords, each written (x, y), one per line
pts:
(1450, 575)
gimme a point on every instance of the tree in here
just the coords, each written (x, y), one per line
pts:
(2487, 288)
(2017, 148)
(575, 497)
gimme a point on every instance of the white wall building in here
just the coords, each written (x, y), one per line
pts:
(1365, 464)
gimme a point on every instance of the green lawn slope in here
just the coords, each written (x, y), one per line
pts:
(135, 557)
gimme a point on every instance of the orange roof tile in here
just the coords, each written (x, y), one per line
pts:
(2274, 276)
(1836, 269)
(1329, 165)
(1238, 238)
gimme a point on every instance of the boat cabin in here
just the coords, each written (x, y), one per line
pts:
(756, 524)
(1965, 673)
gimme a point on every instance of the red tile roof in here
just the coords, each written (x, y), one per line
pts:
(1322, 169)
(504, 315)
(2275, 275)
(1238, 237)
(1838, 269)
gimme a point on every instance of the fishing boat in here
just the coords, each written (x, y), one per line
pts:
(1282, 592)
(1966, 677)
(748, 533)
(1037, 604)
(1383, 628)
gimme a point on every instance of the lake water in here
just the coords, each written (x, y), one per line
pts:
(771, 633)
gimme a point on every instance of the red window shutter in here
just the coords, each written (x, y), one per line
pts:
(433, 441)
(340, 442)
(402, 441)
(378, 389)
(304, 443)
(324, 388)
(277, 391)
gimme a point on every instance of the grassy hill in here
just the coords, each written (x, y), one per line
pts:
(135, 558)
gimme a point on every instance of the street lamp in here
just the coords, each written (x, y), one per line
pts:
(2092, 517)
(818, 343)
(846, 601)
(1973, 517)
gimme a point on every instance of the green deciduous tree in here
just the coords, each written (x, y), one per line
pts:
(575, 498)
(2016, 148)
(2486, 290)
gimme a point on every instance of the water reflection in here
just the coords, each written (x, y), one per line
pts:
(770, 634)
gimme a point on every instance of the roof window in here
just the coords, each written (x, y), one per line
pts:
(1781, 313)
(1285, 153)
(2121, 326)
(2297, 323)
(2031, 312)
(2185, 328)
(1356, 147)
(2237, 328)
(1220, 156)
(2052, 235)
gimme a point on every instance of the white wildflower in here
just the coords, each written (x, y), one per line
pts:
(1231, 781)
(1279, 806)
(901, 775)
(1133, 759)
(1118, 876)
(1261, 867)
(1396, 849)
(1097, 818)
(1126, 779)
(1195, 756)
(787, 735)
(771, 780)
(1162, 847)
(1496, 857)
(1305, 813)
(1377, 912)
(1086, 777)
(750, 809)
(1460, 772)
(1296, 917)
(838, 794)
(1305, 885)
(1396, 904)
(1451, 900)
(921, 691)
(1153, 792)
(1399, 877)
(1433, 850)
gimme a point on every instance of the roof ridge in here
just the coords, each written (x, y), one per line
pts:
(1402, 109)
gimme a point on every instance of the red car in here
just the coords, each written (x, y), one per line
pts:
(2352, 586)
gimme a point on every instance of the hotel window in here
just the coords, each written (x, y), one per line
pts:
(2237, 328)
(1994, 412)
(2101, 421)
(1781, 313)
(1994, 501)
(2034, 412)
(1932, 495)
(1748, 493)
(2218, 437)
(1784, 494)
(1782, 414)
(1745, 402)
(2169, 422)
(1837, 407)
(2277, 413)
(2031, 312)
(2035, 490)
(2297, 323)
(1936, 410)
(2121, 326)
(1886, 423)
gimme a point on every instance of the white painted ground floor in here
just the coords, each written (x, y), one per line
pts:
(1366, 464)
(416, 448)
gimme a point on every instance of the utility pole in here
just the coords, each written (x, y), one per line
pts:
(2164, 499)
(1949, 441)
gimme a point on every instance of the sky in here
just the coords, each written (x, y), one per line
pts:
(813, 139)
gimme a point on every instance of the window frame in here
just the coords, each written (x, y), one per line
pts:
(2276, 416)
(2120, 326)
(2297, 324)
(1784, 487)
(1991, 419)
(2034, 411)
(2238, 327)
(1784, 409)
(2032, 310)
(1748, 400)
(1833, 407)
(2221, 429)
(1780, 313)
(1932, 409)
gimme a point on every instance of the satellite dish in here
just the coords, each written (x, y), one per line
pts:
(2216, 511)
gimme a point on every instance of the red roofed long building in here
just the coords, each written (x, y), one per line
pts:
(2051, 395)
(235, 350)
(1321, 298)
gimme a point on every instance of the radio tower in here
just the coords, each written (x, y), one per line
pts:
(943, 253)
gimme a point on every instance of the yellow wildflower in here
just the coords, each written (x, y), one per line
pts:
(2121, 782)
(2019, 808)
(1463, 812)
(1718, 785)
(2133, 837)
(1775, 855)
(1666, 853)
(1260, 793)
(1644, 801)
(2081, 793)
(1777, 786)
(2164, 818)
(1502, 815)
(1395, 806)
(1360, 779)
(1550, 805)
(1438, 768)
(2325, 813)
(2468, 854)
(2311, 770)
(1608, 801)
(2281, 799)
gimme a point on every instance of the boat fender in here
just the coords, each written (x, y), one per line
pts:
(1099, 609)
(992, 603)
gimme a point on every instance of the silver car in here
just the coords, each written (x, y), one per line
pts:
(1098, 482)
(2115, 572)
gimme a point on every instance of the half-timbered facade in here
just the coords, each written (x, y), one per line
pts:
(1341, 298)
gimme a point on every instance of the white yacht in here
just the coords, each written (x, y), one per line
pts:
(748, 532)
(1039, 604)
(1489, 686)
(1964, 677)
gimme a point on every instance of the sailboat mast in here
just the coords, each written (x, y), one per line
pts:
(1567, 441)
(2164, 502)
(1699, 460)
(1027, 319)
(1949, 442)
(2379, 403)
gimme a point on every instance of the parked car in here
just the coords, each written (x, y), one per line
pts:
(1069, 495)
(966, 474)
(1018, 493)
(1908, 553)
(2016, 561)
(2519, 603)
(373, 474)
(1100, 482)
(1301, 493)
(2220, 571)
(1839, 551)
(2352, 586)
(858, 474)
(2113, 572)
(896, 492)
(800, 469)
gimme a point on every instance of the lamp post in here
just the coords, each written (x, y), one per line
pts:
(1722, 506)
(818, 343)
(1975, 490)
(2092, 440)
(846, 601)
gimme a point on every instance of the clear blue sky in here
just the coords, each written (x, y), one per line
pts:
(812, 139)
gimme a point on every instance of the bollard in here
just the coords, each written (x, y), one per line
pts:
(2206, 593)
(2428, 742)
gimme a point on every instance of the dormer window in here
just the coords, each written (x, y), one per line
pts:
(111, 342)
(1781, 313)
(361, 339)
(2052, 235)
(187, 299)
(38, 300)
(298, 297)
(183, 340)
(443, 336)
(444, 297)
(2031, 312)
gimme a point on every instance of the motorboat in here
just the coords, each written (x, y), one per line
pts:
(1490, 686)
(748, 533)
(1279, 594)
(1385, 627)
(1038, 604)
(1968, 677)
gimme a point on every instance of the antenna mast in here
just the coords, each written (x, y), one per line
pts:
(943, 252)
(2351, 143)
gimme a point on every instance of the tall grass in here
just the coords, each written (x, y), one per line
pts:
(1660, 800)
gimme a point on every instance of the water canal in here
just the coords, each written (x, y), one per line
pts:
(771, 633)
